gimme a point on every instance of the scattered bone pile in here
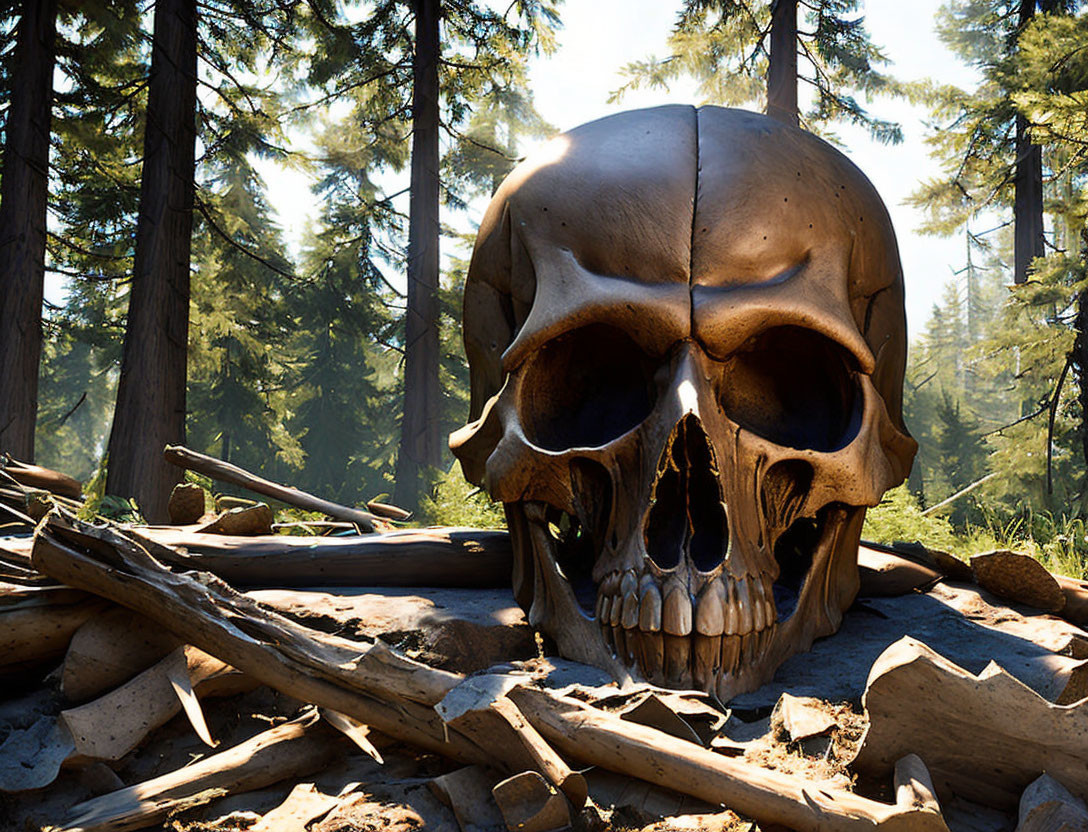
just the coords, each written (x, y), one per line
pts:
(217, 676)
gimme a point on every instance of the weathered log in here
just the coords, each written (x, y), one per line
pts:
(984, 737)
(289, 750)
(1076, 599)
(350, 677)
(37, 622)
(34, 476)
(417, 557)
(222, 471)
(948, 565)
(886, 573)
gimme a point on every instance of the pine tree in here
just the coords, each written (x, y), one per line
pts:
(150, 411)
(23, 196)
(744, 53)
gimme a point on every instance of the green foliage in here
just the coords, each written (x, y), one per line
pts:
(723, 45)
(455, 502)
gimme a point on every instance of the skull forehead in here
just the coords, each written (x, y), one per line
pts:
(771, 199)
(616, 193)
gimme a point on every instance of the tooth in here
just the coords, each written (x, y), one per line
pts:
(604, 609)
(619, 637)
(676, 616)
(615, 612)
(748, 649)
(606, 631)
(744, 607)
(770, 613)
(730, 653)
(677, 660)
(629, 617)
(610, 583)
(629, 583)
(765, 641)
(755, 589)
(710, 609)
(732, 614)
(651, 656)
(707, 652)
(649, 611)
(768, 587)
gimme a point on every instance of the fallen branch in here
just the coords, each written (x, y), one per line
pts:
(395, 695)
(289, 750)
(222, 471)
(411, 557)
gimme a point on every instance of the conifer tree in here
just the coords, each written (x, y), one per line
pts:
(745, 53)
(23, 196)
(150, 411)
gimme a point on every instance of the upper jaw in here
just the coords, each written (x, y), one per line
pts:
(726, 637)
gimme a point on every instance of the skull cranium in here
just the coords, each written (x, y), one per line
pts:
(686, 337)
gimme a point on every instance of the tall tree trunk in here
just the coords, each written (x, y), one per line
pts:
(420, 439)
(782, 67)
(150, 410)
(1028, 202)
(23, 196)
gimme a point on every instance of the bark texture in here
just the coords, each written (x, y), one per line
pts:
(1028, 200)
(421, 440)
(150, 410)
(782, 69)
(23, 196)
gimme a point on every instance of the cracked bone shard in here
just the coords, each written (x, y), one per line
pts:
(686, 338)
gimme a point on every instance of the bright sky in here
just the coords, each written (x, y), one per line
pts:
(600, 36)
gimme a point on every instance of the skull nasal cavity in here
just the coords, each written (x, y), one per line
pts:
(686, 515)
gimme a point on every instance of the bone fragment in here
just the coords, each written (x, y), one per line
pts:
(109, 649)
(412, 557)
(217, 469)
(467, 791)
(530, 804)
(1047, 806)
(942, 562)
(1018, 577)
(289, 750)
(186, 504)
(803, 717)
(378, 687)
(247, 521)
(112, 725)
(1002, 734)
(354, 731)
(301, 807)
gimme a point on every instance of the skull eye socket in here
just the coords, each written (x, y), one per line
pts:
(795, 388)
(585, 388)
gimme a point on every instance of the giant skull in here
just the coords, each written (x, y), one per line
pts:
(686, 338)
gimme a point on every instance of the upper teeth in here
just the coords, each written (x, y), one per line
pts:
(727, 628)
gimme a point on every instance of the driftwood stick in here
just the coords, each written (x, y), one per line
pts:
(468, 558)
(222, 471)
(289, 750)
(350, 677)
(600, 738)
(363, 680)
